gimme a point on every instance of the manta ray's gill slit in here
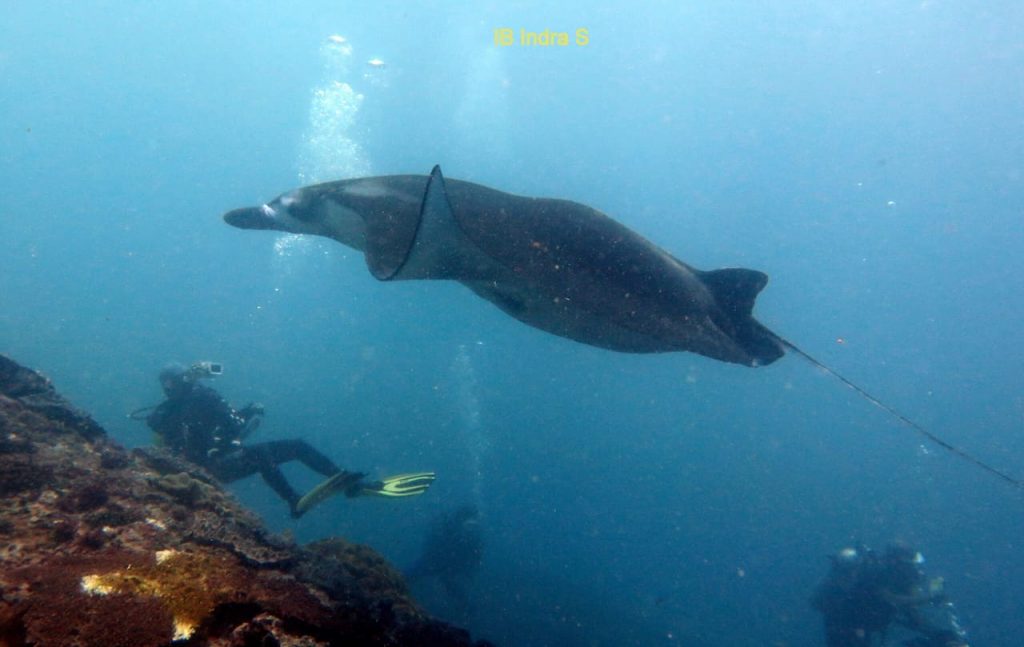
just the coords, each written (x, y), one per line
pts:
(902, 418)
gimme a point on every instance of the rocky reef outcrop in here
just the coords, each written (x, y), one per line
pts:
(101, 546)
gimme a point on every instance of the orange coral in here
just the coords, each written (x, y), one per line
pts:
(189, 584)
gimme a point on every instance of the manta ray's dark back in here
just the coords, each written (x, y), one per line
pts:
(620, 273)
(571, 262)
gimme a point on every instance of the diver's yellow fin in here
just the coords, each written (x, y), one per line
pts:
(341, 482)
(400, 485)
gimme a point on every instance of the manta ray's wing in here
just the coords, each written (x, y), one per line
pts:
(391, 231)
(423, 240)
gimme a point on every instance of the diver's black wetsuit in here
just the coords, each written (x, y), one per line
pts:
(196, 422)
(866, 594)
(452, 551)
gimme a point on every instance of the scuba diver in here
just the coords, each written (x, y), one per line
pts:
(452, 551)
(865, 594)
(195, 422)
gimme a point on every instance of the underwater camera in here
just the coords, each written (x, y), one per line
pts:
(200, 370)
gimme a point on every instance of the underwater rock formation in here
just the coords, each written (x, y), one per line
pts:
(100, 546)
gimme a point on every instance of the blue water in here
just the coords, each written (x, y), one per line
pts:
(868, 156)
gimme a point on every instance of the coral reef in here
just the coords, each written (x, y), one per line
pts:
(99, 546)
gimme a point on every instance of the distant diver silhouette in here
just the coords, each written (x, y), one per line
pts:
(452, 551)
(556, 265)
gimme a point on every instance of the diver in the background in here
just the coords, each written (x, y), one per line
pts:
(197, 423)
(866, 594)
(452, 551)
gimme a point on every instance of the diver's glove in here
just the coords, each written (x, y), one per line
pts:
(250, 416)
(251, 409)
(398, 485)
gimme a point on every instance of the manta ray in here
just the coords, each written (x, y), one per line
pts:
(557, 265)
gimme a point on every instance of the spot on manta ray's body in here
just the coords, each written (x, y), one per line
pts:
(556, 265)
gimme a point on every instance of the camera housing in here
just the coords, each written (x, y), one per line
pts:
(201, 370)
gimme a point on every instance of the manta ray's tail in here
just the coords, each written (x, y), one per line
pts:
(735, 289)
(902, 418)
